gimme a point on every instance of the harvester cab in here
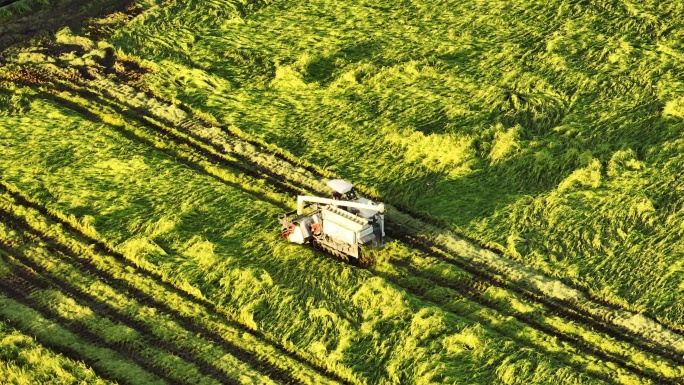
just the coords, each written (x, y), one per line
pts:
(342, 190)
(342, 226)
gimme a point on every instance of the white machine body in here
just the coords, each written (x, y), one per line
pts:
(341, 225)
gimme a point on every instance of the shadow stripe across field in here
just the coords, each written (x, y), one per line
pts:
(83, 263)
(52, 281)
(20, 289)
(281, 187)
(145, 299)
(617, 361)
(72, 353)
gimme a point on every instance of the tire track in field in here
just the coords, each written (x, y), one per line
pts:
(30, 272)
(567, 314)
(20, 287)
(619, 362)
(466, 291)
(143, 298)
(71, 353)
(49, 280)
(284, 157)
(561, 311)
(598, 316)
(474, 289)
(288, 189)
(84, 264)
(601, 322)
(425, 218)
(566, 310)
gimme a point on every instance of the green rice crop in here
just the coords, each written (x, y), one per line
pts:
(55, 336)
(155, 211)
(27, 362)
(547, 130)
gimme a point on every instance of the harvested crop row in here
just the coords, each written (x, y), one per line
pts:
(534, 319)
(195, 315)
(646, 373)
(277, 262)
(152, 327)
(616, 331)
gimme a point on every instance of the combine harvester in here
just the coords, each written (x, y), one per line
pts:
(341, 226)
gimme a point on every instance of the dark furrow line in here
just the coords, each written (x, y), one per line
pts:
(143, 298)
(255, 170)
(19, 290)
(70, 353)
(564, 310)
(107, 311)
(567, 314)
(210, 307)
(474, 296)
(143, 118)
(472, 291)
(135, 138)
(569, 311)
(423, 217)
(67, 251)
(288, 189)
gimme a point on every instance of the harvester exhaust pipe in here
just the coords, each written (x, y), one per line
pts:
(303, 198)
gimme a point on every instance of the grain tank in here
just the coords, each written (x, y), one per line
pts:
(342, 225)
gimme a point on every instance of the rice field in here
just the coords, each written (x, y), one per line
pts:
(528, 151)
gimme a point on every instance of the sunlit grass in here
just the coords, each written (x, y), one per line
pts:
(27, 362)
(464, 112)
(218, 242)
(550, 131)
